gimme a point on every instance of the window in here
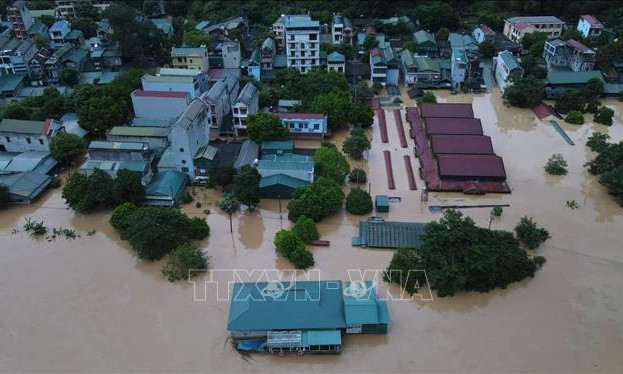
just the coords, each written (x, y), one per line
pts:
(302, 45)
(191, 60)
(184, 162)
(41, 141)
(28, 140)
(8, 139)
(184, 170)
(182, 150)
(292, 38)
(313, 36)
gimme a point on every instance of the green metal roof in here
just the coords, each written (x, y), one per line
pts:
(509, 60)
(278, 145)
(387, 234)
(9, 83)
(364, 309)
(30, 161)
(322, 337)
(142, 131)
(407, 58)
(126, 146)
(572, 77)
(207, 151)
(286, 163)
(424, 38)
(336, 57)
(282, 179)
(424, 63)
(27, 186)
(300, 305)
(169, 183)
(22, 126)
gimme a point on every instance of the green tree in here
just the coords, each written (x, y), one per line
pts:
(437, 15)
(128, 187)
(357, 175)
(263, 127)
(556, 165)
(41, 41)
(69, 77)
(195, 38)
(575, 117)
(604, 116)
(291, 247)
(598, 142)
(370, 42)
(524, 92)
(316, 201)
(362, 93)
(442, 34)
(86, 25)
(222, 176)
(428, 97)
(99, 114)
(5, 196)
(487, 49)
(184, 262)
(153, 232)
(572, 33)
(247, 186)
(120, 219)
(305, 229)
(534, 42)
(495, 213)
(594, 88)
(410, 45)
(529, 234)
(15, 110)
(66, 147)
(336, 105)
(405, 269)
(47, 20)
(331, 163)
(613, 181)
(356, 144)
(361, 115)
(230, 205)
(569, 101)
(358, 202)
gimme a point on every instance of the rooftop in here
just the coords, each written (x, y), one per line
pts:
(509, 60)
(592, 20)
(126, 146)
(579, 46)
(535, 19)
(461, 144)
(282, 179)
(300, 115)
(143, 131)
(572, 77)
(336, 57)
(388, 234)
(25, 127)
(470, 166)
(422, 37)
(167, 94)
(453, 110)
(59, 25)
(453, 126)
(167, 183)
(185, 51)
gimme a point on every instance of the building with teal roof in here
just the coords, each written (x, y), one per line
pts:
(303, 316)
(274, 147)
(336, 62)
(280, 186)
(293, 165)
(165, 188)
(426, 43)
(560, 81)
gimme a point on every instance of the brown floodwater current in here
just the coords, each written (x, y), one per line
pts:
(89, 305)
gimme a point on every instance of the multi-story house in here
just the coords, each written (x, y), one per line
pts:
(231, 54)
(279, 27)
(589, 26)
(195, 82)
(36, 67)
(506, 65)
(570, 54)
(112, 156)
(247, 103)
(160, 105)
(66, 8)
(384, 67)
(15, 60)
(312, 125)
(341, 30)
(58, 32)
(459, 66)
(54, 64)
(20, 18)
(336, 62)
(483, 33)
(426, 43)
(218, 104)
(190, 58)
(516, 27)
(18, 135)
(189, 133)
(421, 71)
(104, 31)
(267, 53)
(302, 39)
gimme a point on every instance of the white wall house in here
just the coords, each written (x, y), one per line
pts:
(589, 26)
(302, 40)
(516, 27)
(231, 54)
(18, 135)
(506, 65)
(218, 104)
(247, 103)
(161, 105)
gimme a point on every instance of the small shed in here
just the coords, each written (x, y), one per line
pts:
(387, 234)
(381, 203)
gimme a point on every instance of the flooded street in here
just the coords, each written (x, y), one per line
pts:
(89, 305)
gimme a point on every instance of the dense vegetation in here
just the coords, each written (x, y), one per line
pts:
(358, 202)
(290, 246)
(316, 201)
(556, 165)
(305, 229)
(263, 127)
(99, 191)
(153, 232)
(608, 164)
(575, 117)
(330, 163)
(459, 256)
(357, 175)
(247, 186)
(529, 234)
(66, 147)
(184, 262)
(524, 92)
(356, 143)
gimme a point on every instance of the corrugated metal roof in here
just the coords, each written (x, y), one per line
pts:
(336, 57)
(248, 92)
(301, 305)
(536, 19)
(388, 234)
(249, 152)
(278, 145)
(461, 144)
(301, 116)
(143, 131)
(361, 305)
(471, 166)
(282, 179)
(27, 186)
(424, 63)
(29, 161)
(126, 146)
(322, 337)
(23, 126)
(207, 151)
(187, 51)
(453, 126)
(572, 77)
(423, 37)
(446, 110)
(509, 60)
(592, 20)
(168, 183)
(169, 94)
(285, 164)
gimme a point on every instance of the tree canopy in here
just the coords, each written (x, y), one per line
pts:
(292, 247)
(524, 92)
(263, 127)
(305, 229)
(184, 262)
(608, 164)
(331, 163)
(247, 186)
(356, 144)
(65, 147)
(99, 191)
(359, 202)
(316, 201)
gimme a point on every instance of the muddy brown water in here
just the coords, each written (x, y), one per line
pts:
(88, 305)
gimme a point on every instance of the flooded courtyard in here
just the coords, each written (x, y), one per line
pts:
(89, 305)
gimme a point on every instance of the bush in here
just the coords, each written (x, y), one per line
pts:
(598, 142)
(529, 234)
(574, 117)
(186, 198)
(316, 201)
(556, 165)
(569, 101)
(291, 247)
(153, 232)
(305, 229)
(356, 144)
(604, 116)
(182, 261)
(359, 202)
(428, 97)
(357, 175)
(613, 181)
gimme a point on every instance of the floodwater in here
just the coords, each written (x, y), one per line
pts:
(89, 305)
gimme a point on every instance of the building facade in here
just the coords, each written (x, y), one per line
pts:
(21, 19)
(165, 105)
(589, 26)
(190, 58)
(516, 27)
(22, 136)
(506, 65)
(247, 103)
(302, 40)
(305, 124)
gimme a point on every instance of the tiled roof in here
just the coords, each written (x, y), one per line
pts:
(594, 22)
(579, 46)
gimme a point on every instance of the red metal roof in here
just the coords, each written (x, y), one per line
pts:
(453, 110)
(471, 167)
(592, 20)
(453, 126)
(300, 115)
(522, 26)
(176, 94)
(215, 73)
(461, 144)
(579, 46)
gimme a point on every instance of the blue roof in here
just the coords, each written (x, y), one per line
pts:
(169, 183)
(283, 145)
(282, 179)
(387, 234)
(59, 25)
(202, 25)
(364, 309)
(305, 305)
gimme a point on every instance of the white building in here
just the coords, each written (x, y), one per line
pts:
(279, 27)
(231, 54)
(302, 39)
(193, 81)
(66, 8)
(18, 135)
(247, 103)
(459, 66)
(341, 30)
(161, 105)
(516, 27)
(589, 26)
(220, 99)
(506, 65)
(336, 62)
(190, 132)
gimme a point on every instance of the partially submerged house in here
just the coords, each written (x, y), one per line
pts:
(305, 125)
(516, 27)
(560, 81)
(165, 189)
(388, 234)
(506, 65)
(18, 135)
(426, 43)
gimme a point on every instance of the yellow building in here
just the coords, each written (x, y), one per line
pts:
(190, 58)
